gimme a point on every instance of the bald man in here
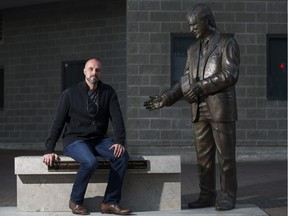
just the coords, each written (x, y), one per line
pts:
(85, 111)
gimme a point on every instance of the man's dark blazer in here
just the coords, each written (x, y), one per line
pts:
(219, 69)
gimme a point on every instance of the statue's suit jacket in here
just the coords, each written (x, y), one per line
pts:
(216, 74)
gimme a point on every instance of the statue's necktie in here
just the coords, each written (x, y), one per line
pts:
(204, 47)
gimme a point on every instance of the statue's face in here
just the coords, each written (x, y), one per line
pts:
(198, 27)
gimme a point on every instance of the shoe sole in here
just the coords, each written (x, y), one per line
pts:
(224, 209)
(109, 212)
(81, 213)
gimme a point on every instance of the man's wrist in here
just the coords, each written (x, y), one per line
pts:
(164, 99)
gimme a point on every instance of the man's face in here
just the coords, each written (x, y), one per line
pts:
(198, 27)
(92, 71)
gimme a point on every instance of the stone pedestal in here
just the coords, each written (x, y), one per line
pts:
(157, 188)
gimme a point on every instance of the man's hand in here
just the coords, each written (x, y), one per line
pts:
(193, 92)
(49, 159)
(118, 149)
(155, 102)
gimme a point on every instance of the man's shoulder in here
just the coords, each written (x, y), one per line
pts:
(194, 45)
(225, 37)
(107, 87)
(74, 88)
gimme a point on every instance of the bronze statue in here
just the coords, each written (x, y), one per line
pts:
(208, 84)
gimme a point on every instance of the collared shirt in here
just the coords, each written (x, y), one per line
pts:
(93, 103)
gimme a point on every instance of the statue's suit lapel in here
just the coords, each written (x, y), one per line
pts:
(212, 46)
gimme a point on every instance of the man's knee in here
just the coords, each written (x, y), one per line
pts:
(125, 157)
(90, 163)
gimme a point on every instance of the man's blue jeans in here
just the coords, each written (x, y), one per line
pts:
(85, 153)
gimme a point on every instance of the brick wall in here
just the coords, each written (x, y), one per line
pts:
(133, 39)
(150, 23)
(36, 40)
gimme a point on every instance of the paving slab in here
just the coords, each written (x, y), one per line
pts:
(240, 210)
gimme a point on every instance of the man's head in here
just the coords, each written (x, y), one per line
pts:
(93, 71)
(201, 20)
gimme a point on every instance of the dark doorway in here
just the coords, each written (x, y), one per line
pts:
(72, 73)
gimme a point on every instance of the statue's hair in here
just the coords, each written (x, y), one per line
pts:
(202, 11)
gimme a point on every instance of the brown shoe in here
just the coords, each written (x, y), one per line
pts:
(77, 209)
(113, 209)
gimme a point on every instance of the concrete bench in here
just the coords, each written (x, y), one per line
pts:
(156, 188)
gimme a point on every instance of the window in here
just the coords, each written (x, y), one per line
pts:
(179, 45)
(277, 67)
(72, 73)
(1, 26)
(1, 88)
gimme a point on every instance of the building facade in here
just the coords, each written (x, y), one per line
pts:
(133, 39)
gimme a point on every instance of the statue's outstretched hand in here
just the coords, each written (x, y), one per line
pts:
(155, 102)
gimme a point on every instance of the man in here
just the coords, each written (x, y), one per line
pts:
(85, 111)
(209, 85)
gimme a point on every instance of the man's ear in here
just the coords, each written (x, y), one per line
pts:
(205, 21)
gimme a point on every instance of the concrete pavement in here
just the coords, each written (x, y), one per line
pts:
(240, 210)
(262, 189)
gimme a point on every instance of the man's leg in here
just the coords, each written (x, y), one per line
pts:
(119, 165)
(205, 152)
(117, 171)
(83, 153)
(225, 138)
